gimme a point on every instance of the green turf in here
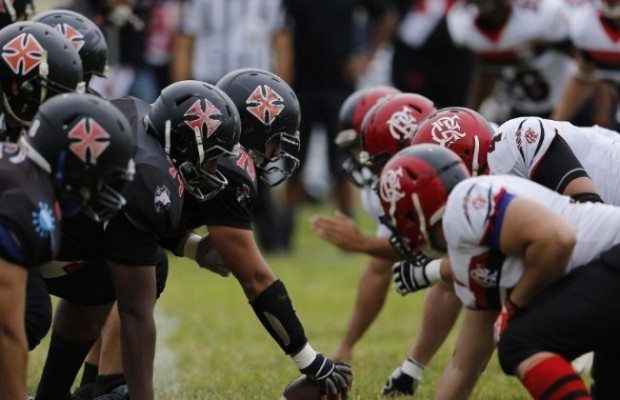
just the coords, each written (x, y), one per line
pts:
(224, 353)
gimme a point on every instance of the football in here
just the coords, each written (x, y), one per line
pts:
(303, 388)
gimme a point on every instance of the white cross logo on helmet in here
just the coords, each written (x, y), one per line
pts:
(446, 130)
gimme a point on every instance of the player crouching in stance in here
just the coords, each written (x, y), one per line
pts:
(518, 247)
(50, 172)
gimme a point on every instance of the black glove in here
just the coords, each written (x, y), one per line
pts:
(400, 382)
(410, 276)
(333, 377)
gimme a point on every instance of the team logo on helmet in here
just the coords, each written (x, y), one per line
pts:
(402, 124)
(22, 54)
(71, 35)
(446, 130)
(390, 190)
(265, 104)
(90, 140)
(203, 117)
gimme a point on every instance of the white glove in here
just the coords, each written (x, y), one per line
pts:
(411, 276)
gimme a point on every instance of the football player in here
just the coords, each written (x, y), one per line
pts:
(509, 242)
(516, 48)
(48, 174)
(196, 124)
(468, 134)
(84, 36)
(270, 118)
(37, 63)
(404, 111)
(594, 27)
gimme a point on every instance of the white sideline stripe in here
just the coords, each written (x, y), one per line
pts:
(165, 358)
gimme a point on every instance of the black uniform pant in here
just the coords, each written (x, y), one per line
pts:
(579, 314)
(90, 285)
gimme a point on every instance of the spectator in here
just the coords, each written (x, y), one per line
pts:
(326, 69)
(218, 36)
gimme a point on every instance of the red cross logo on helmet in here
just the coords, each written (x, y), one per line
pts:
(22, 54)
(265, 104)
(203, 117)
(90, 140)
(71, 35)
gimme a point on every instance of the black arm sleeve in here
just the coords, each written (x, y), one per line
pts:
(275, 311)
(558, 167)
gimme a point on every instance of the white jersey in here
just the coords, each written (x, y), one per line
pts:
(372, 205)
(597, 40)
(522, 143)
(533, 73)
(472, 223)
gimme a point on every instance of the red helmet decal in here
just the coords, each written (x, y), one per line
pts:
(446, 130)
(265, 104)
(71, 35)
(402, 124)
(22, 54)
(90, 140)
(203, 117)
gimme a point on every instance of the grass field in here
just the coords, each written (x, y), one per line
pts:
(212, 346)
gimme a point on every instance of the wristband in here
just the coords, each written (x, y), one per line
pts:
(433, 271)
(305, 357)
(190, 248)
(412, 368)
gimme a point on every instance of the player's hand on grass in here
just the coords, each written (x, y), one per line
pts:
(400, 382)
(411, 276)
(340, 231)
(334, 378)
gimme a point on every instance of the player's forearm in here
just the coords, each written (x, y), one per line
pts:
(379, 247)
(481, 86)
(544, 263)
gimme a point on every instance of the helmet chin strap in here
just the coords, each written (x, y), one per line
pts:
(44, 71)
(427, 249)
(34, 155)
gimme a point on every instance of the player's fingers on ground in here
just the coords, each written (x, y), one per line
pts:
(331, 387)
(340, 382)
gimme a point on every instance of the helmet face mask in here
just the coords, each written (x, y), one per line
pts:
(276, 169)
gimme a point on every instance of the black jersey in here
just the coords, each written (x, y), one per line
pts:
(232, 206)
(154, 202)
(29, 214)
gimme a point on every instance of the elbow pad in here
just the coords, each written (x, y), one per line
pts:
(587, 198)
(275, 311)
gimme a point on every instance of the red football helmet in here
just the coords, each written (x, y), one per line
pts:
(414, 188)
(351, 115)
(463, 131)
(389, 125)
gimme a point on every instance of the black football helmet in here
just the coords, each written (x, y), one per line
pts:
(86, 145)
(269, 112)
(84, 35)
(196, 123)
(37, 63)
(14, 10)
